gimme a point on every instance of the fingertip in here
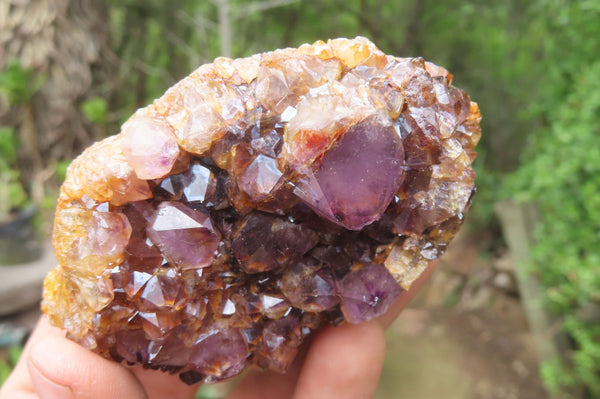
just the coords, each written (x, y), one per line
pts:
(160, 384)
(19, 384)
(44, 362)
(59, 368)
(45, 386)
(258, 384)
(344, 361)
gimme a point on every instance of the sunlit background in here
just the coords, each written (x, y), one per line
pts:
(513, 310)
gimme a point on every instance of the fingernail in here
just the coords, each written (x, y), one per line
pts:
(45, 387)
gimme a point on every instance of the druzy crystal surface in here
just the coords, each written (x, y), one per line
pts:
(257, 200)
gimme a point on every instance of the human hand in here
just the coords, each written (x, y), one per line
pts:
(340, 362)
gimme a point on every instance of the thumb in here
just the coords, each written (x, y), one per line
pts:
(59, 369)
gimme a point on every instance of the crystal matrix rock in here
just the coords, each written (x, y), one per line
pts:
(258, 199)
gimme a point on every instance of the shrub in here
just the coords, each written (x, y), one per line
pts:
(563, 178)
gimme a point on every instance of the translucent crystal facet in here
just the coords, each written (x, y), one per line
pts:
(150, 146)
(367, 293)
(196, 183)
(185, 236)
(356, 179)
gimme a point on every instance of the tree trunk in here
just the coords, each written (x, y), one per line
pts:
(224, 27)
(518, 222)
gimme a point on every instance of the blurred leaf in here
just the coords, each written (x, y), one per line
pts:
(16, 194)
(61, 169)
(561, 173)
(7, 366)
(5, 370)
(12, 194)
(95, 110)
(8, 146)
(14, 353)
(207, 392)
(19, 84)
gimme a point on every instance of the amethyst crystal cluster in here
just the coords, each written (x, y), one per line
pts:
(257, 200)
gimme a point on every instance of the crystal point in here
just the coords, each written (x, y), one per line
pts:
(186, 237)
(197, 181)
(358, 177)
(150, 146)
(368, 293)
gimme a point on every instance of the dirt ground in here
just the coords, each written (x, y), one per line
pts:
(465, 336)
(454, 354)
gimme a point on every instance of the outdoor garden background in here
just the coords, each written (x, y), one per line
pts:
(513, 310)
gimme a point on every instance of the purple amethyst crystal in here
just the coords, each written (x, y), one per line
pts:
(186, 237)
(281, 340)
(261, 177)
(310, 287)
(263, 242)
(357, 179)
(171, 352)
(367, 293)
(219, 354)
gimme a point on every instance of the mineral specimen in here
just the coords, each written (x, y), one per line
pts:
(258, 199)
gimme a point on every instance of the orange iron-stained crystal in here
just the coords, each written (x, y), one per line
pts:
(257, 200)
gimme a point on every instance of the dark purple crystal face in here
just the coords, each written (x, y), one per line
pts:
(265, 243)
(356, 180)
(185, 236)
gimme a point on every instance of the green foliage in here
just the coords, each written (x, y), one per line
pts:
(95, 110)
(19, 84)
(61, 170)
(531, 65)
(12, 195)
(6, 366)
(8, 147)
(561, 173)
(207, 392)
